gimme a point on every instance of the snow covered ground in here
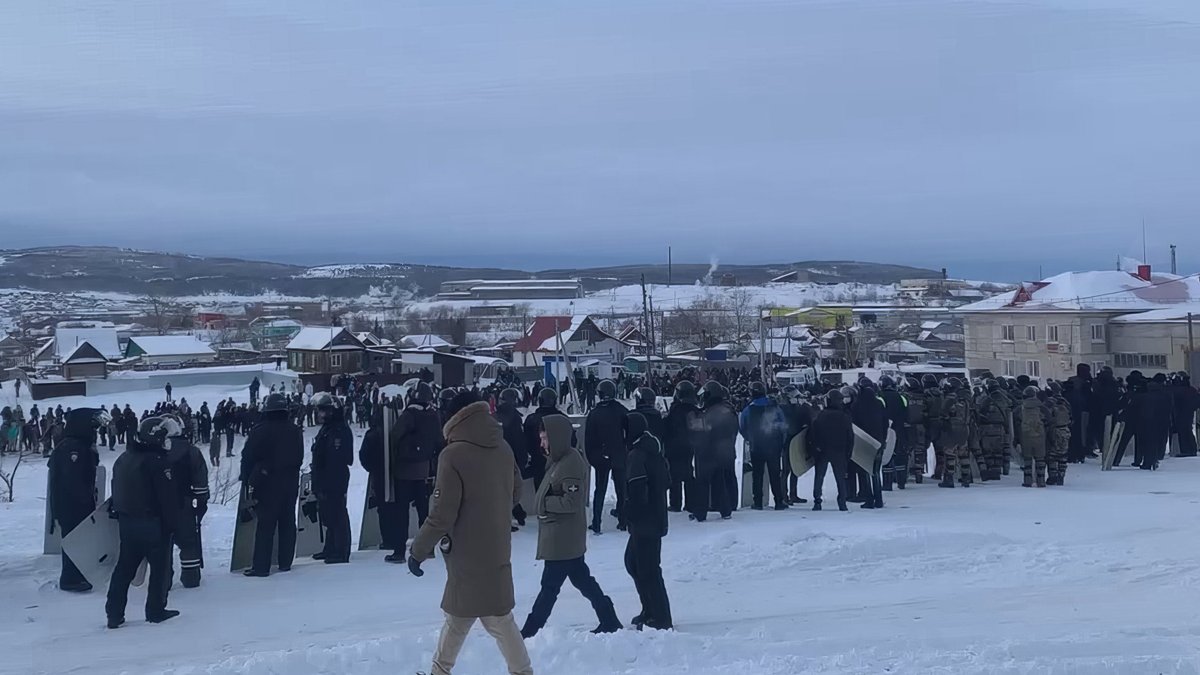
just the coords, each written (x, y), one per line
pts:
(1096, 577)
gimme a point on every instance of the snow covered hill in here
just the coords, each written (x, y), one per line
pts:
(1092, 578)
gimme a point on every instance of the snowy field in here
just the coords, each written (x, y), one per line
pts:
(1096, 577)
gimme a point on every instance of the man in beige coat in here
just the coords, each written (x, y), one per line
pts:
(561, 504)
(477, 485)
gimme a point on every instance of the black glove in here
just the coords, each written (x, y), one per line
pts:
(414, 566)
(201, 509)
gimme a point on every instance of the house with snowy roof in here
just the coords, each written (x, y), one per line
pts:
(1046, 329)
(102, 335)
(578, 336)
(325, 349)
(169, 349)
(84, 361)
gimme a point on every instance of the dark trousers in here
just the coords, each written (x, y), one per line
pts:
(70, 575)
(839, 463)
(553, 575)
(675, 495)
(618, 478)
(643, 562)
(141, 539)
(1187, 437)
(229, 442)
(393, 525)
(1127, 434)
(732, 495)
(412, 492)
(336, 520)
(774, 470)
(877, 480)
(275, 517)
(711, 492)
(191, 555)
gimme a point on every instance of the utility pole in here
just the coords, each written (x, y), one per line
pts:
(668, 265)
(1174, 266)
(1191, 341)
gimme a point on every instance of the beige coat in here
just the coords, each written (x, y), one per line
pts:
(562, 498)
(477, 485)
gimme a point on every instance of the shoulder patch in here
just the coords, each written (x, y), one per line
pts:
(167, 473)
(573, 487)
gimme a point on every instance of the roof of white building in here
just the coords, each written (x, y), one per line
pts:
(171, 345)
(1175, 314)
(425, 341)
(1099, 291)
(901, 347)
(316, 338)
(101, 334)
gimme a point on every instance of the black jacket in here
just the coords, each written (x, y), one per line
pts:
(604, 435)
(332, 456)
(720, 435)
(678, 438)
(189, 473)
(831, 434)
(143, 486)
(870, 415)
(514, 434)
(272, 458)
(73, 465)
(416, 441)
(533, 430)
(655, 424)
(648, 481)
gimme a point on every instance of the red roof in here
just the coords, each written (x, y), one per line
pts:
(542, 329)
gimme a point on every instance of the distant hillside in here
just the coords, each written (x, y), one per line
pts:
(84, 268)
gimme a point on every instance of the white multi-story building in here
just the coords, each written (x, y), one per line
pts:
(1046, 329)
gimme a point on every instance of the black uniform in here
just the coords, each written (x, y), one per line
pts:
(716, 454)
(416, 445)
(646, 506)
(332, 456)
(831, 440)
(799, 417)
(870, 415)
(514, 434)
(271, 461)
(896, 407)
(1186, 400)
(677, 439)
(1155, 424)
(533, 441)
(73, 465)
(605, 446)
(145, 503)
(189, 475)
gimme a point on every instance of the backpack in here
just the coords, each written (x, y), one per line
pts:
(993, 412)
(956, 416)
(1033, 424)
(1062, 413)
(916, 408)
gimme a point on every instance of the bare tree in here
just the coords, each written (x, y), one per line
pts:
(9, 463)
(226, 486)
(165, 313)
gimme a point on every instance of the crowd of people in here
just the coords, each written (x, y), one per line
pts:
(472, 450)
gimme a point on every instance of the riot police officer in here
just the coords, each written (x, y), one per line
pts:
(145, 504)
(189, 475)
(73, 465)
(332, 456)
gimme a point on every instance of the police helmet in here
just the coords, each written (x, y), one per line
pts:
(645, 396)
(685, 391)
(607, 389)
(275, 403)
(758, 390)
(323, 400)
(1031, 391)
(510, 396)
(154, 431)
(929, 381)
(714, 391)
(547, 398)
(422, 393)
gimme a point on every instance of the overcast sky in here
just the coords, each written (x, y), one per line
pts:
(972, 135)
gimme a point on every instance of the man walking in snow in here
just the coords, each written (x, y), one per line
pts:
(561, 509)
(477, 485)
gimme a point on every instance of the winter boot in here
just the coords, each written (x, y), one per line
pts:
(115, 623)
(947, 483)
(190, 578)
(817, 505)
(842, 505)
(164, 616)
(781, 507)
